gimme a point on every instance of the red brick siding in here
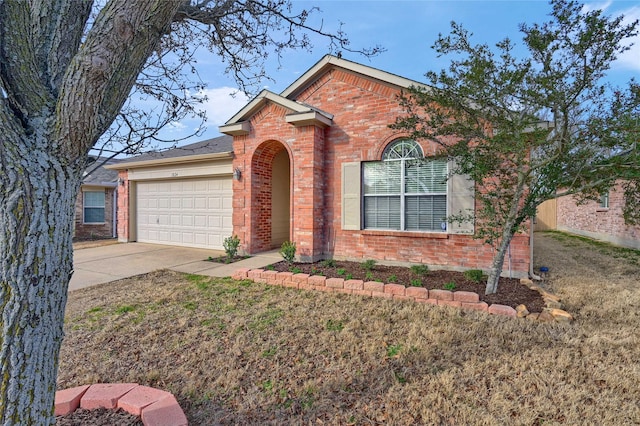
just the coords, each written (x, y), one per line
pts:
(593, 221)
(123, 206)
(362, 109)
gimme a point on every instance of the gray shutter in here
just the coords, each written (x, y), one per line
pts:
(351, 196)
(461, 200)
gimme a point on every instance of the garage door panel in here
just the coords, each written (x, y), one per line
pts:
(195, 212)
(200, 203)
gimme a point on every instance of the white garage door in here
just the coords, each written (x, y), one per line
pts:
(193, 212)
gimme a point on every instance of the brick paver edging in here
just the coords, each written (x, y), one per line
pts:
(459, 299)
(154, 406)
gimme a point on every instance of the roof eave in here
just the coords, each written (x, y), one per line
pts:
(256, 103)
(329, 61)
(310, 118)
(171, 160)
(236, 129)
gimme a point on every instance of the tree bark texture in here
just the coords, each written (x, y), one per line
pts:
(508, 231)
(36, 221)
(61, 86)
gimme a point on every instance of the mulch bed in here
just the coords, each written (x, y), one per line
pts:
(99, 417)
(510, 291)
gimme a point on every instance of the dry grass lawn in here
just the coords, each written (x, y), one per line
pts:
(243, 353)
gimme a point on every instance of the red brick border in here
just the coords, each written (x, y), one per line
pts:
(155, 407)
(458, 299)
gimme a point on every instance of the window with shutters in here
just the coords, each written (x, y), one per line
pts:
(93, 203)
(405, 191)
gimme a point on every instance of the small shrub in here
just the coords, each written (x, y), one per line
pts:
(450, 286)
(393, 279)
(348, 276)
(328, 263)
(295, 270)
(341, 271)
(416, 282)
(231, 245)
(369, 276)
(474, 275)
(369, 264)
(288, 251)
(420, 269)
(315, 271)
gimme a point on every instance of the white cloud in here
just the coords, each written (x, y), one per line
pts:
(221, 105)
(596, 5)
(631, 58)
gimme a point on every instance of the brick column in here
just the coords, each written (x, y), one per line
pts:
(308, 193)
(123, 206)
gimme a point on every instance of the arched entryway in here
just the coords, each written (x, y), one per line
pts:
(271, 196)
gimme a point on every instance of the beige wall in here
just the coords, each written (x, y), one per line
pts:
(546, 216)
(280, 200)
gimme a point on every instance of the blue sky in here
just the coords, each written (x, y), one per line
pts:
(407, 30)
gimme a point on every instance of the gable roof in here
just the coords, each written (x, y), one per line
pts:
(219, 147)
(100, 176)
(301, 113)
(328, 62)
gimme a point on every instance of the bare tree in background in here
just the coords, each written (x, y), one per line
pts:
(70, 70)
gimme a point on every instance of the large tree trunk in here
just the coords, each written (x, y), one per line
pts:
(497, 263)
(57, 97)
(36, 220)
(511, 222)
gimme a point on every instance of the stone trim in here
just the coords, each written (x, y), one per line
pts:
(458, 299)
(155, 407)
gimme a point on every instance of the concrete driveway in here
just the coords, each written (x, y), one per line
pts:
(102, 264)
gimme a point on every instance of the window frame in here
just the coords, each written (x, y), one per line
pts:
(604, 201)
(404, 152)
(85, 207)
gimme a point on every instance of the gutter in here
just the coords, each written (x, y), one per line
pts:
(170, 160)
(531, 274)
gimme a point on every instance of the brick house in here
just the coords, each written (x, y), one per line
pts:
(95, 216)
(601, 220)
(318, 165)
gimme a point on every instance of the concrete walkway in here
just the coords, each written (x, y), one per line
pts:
(97, 265)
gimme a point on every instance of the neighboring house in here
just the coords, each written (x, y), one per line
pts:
(601, 220)
(316, 164)
(96, 203)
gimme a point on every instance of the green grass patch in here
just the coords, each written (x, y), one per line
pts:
(266, 319)
(124, 309)
(334, 325)
(602, 246)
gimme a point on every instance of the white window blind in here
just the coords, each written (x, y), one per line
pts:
(93, 206)
(404, 191)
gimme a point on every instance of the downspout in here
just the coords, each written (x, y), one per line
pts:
(531, 274)
(509, 254)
